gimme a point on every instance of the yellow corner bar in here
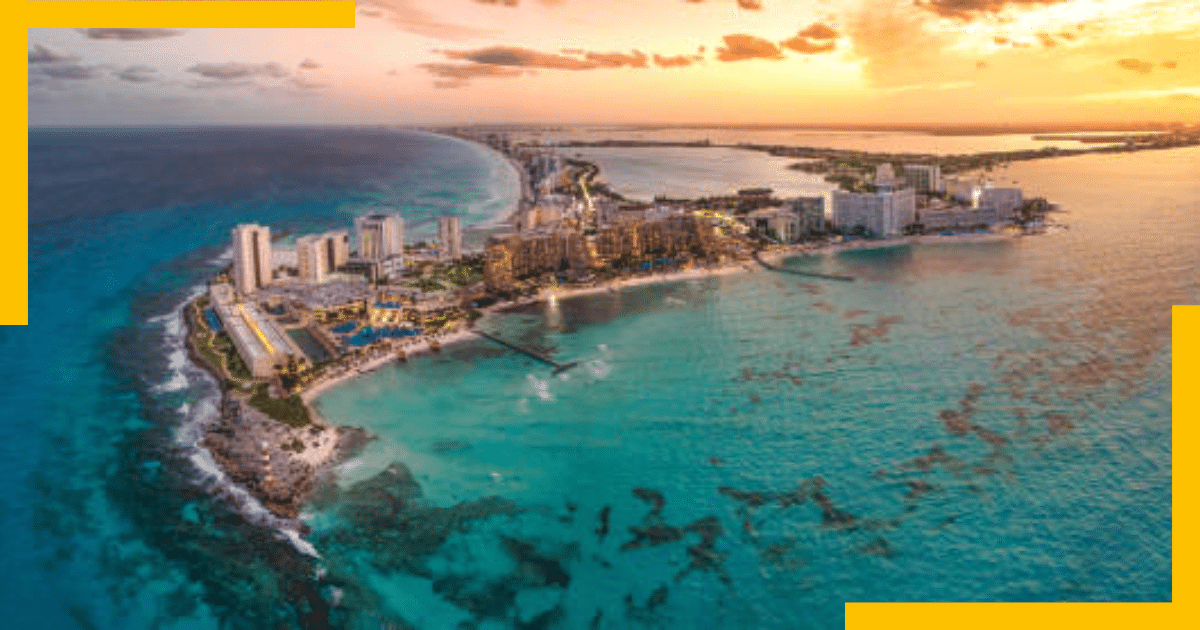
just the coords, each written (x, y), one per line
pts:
(24, 15)
(1185, 604)
(201, 14)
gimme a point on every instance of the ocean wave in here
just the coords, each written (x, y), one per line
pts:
(173, 344)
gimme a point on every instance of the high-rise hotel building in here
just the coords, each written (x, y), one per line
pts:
(380, 236)
(251, 258)
(450, 237)
(312, 260)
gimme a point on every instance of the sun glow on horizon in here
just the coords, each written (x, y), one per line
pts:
(419, 61)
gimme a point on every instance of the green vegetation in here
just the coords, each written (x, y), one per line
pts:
(428, 285)
(217, 349)
(289, 410)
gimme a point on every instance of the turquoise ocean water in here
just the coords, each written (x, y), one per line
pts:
(975, 422)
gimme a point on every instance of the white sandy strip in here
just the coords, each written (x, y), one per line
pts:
(376, 360)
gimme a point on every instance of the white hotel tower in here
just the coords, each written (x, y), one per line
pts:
(251, 258)
(379, 236)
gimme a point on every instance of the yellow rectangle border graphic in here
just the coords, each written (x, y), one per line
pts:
(859, 616)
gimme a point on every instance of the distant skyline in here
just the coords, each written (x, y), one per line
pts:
(766, 62)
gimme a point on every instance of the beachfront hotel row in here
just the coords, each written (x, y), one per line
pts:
(326, 295)
(276, 296)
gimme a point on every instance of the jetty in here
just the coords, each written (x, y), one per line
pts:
(797, 272)
(558, 367)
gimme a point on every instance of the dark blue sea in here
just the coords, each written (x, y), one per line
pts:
(975, 422)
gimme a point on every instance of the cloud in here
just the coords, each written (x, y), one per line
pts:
(807, 46)
(309, 64)
(304, 84)
(1046, 40)
(406, 16)
(220, 85)
(70, 71)
(464, 71)
(130, 34)
(816, 30)
(523, 57)
(677, 61)
(1183, 96)
(138, 74)
(742, 47)
(814, 39)
(456, 75)
(981, 64)
(617, 60)
(971, 9)
(1001, 41)
(750, 5)
(1170, 65)
(48, 54)
(235, 70)
(1136, 65)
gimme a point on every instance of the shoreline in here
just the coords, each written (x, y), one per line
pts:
(376, 361)
(251, 447)
(748, 265)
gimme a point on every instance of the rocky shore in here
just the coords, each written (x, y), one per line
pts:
(277, 464)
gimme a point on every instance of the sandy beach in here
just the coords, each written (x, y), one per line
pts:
(378, 359)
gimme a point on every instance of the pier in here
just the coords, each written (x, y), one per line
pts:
(558, 367)
(796, 272)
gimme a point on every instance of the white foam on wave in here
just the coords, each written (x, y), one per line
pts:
(174, 338)
(540, 387)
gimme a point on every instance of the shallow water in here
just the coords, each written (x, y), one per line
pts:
(110, 524)
(983, 422)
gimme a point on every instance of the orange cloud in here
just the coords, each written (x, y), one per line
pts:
(406, 16)
(617, 60)
(1136, 65)
(678, 61)
(970, 9)
(456, 75)
(742, 47)
(806, 46)
(816, 30)
(751, 5)
(523, 57)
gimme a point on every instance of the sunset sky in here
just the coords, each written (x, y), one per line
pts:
(643, 61)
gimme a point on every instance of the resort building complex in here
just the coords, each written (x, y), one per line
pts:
(259, 342)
